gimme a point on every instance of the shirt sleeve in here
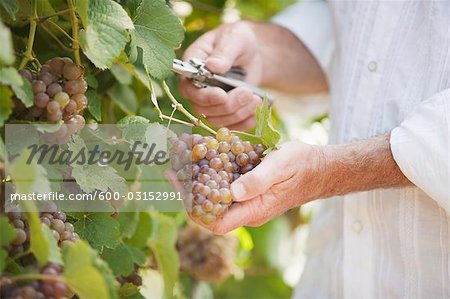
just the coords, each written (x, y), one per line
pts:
(311, 22)
(421, 148)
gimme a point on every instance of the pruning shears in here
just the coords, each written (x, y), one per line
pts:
(201, 77)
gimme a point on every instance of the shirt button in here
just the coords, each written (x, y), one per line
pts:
(357, 226)
(372, 66)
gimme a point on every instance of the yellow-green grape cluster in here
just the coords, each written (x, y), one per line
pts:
(62, 230)
(207, 166)
(59, 94)
(204, 255)
(36, 289)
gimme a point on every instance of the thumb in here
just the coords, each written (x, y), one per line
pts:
(258, 180)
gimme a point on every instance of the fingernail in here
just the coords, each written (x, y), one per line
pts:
(238, 190)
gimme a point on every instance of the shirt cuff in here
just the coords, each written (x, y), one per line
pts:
(311, 22)
(421, 148)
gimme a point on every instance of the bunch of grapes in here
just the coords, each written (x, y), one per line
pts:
(207, 166)
(59, 94)
(204, 255)
(56, 220)
(36, 289)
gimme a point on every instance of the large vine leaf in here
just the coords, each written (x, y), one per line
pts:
(6, 46)
(264, 129)
(7, 234)
(85, 274)
(99, 229)
(95, 104)
(93, 176)
(142, 232)
(122, 258)
(20, 86)
(106, 32)
(6, 104)
(124, 97)
(162, 243)
(128, 222)
(157, 32)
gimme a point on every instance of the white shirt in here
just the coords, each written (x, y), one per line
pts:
(388, 64)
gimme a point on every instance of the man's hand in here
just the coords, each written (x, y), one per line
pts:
(298, 173)
(271, 55)
(227, 46)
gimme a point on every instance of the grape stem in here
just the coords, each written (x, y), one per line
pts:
(245, 133)
(195, 121)
(74, 22)
(29, 49)
(20, 255)
(37, 276)
(60, 29)
(169, 118)
(61, 12)
(60, 43)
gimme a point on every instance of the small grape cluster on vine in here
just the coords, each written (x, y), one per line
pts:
(63, 232)
(37, 289)
(204, 255)
(59, 94)
(56, 220)
(207, 166)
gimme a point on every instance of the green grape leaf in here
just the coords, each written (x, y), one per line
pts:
(162, 242)
(82, 7)
(128, 222)
(20, 86)
(83, 273)
(142, 232)
(122, 258)
(11, 7)
(133, 119)
(6, 103)
(124, 97)
(28, 177)
(130, 291)
(95, 104)
(121, 73)
(6, 46)
(95, 177)
(54, 253)
(264, 129)
(10, 76)
(7, 234)
(152, 93)
(24, 92)
(99, 229)
(110, 279)
(106, 33)
(157, 32)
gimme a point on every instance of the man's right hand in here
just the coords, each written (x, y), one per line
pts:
(228, 45)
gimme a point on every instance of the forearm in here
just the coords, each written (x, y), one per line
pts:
(287, 63)
(361, 166)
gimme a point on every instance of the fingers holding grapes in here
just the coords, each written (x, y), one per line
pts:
(205, 167)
